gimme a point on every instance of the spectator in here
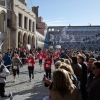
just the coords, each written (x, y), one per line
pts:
(71, 72)
(94, 93)
(98, 58)
(77, 68)
(90, 73)
(63, 88)
(81, 60)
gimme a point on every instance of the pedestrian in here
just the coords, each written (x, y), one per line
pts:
(94, 93)
(15, 66)
(4, 72)
(40, 58)
(30, 62)
(47, 66)
(7, 61)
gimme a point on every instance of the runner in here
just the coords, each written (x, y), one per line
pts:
(30, 62)
(40, 58)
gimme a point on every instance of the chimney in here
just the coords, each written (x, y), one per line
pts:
(35, 10)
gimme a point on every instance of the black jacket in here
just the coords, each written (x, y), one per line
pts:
(84, 73)
(94, 93)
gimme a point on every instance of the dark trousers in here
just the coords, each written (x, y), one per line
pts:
(54, 61)
(83, 91)
(15, 72)
(2, 90)
(48, 73)
(31, 71)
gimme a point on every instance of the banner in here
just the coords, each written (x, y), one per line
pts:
(28, 46)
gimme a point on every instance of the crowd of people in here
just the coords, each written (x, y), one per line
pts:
(76, 75)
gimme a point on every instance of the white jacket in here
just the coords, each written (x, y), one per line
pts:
(3, 74)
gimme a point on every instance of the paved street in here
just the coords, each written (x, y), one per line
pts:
(23, 89)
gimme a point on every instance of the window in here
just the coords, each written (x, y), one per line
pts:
(9, 23)
(25, 22)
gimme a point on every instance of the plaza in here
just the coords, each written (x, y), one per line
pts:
(22, 89)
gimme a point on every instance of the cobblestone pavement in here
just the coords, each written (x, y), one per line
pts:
(23, 89)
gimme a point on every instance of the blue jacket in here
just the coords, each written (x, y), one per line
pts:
(7, 60)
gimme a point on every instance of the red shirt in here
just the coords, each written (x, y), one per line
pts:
(40, 56)
(30, 62)
(55, 56)
(47, 63)
(45, 55)
(22, 49)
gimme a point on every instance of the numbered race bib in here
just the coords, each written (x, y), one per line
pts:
(47, 65)
(15, 67)
(40, 57)
(29, 64)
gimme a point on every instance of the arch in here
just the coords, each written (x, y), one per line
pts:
(29, 39)
(19, 38)
(33, 42)
(52, 29)
(2, 21)
(24, 39)
(49, 29)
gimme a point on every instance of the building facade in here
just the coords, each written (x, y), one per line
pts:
(39, 40)
(41, 28)
(3, 24)
(22, 24)
(75, 37)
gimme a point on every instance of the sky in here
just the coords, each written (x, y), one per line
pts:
(68, 12)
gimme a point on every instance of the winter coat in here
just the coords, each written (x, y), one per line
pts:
(7, 60)
(3, 73)
(77, 70)
(94, 93)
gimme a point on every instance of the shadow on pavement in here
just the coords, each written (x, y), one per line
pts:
(36, 93)
(17, 83)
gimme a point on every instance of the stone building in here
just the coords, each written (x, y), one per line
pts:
(22, 24)
(74, 37)
(3, 24)
(41, 28)
(19, 24)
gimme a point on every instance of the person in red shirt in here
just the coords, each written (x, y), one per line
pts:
(55, 56)
(30, 62)
(47, 66)
(40, 58)
(45, 54)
